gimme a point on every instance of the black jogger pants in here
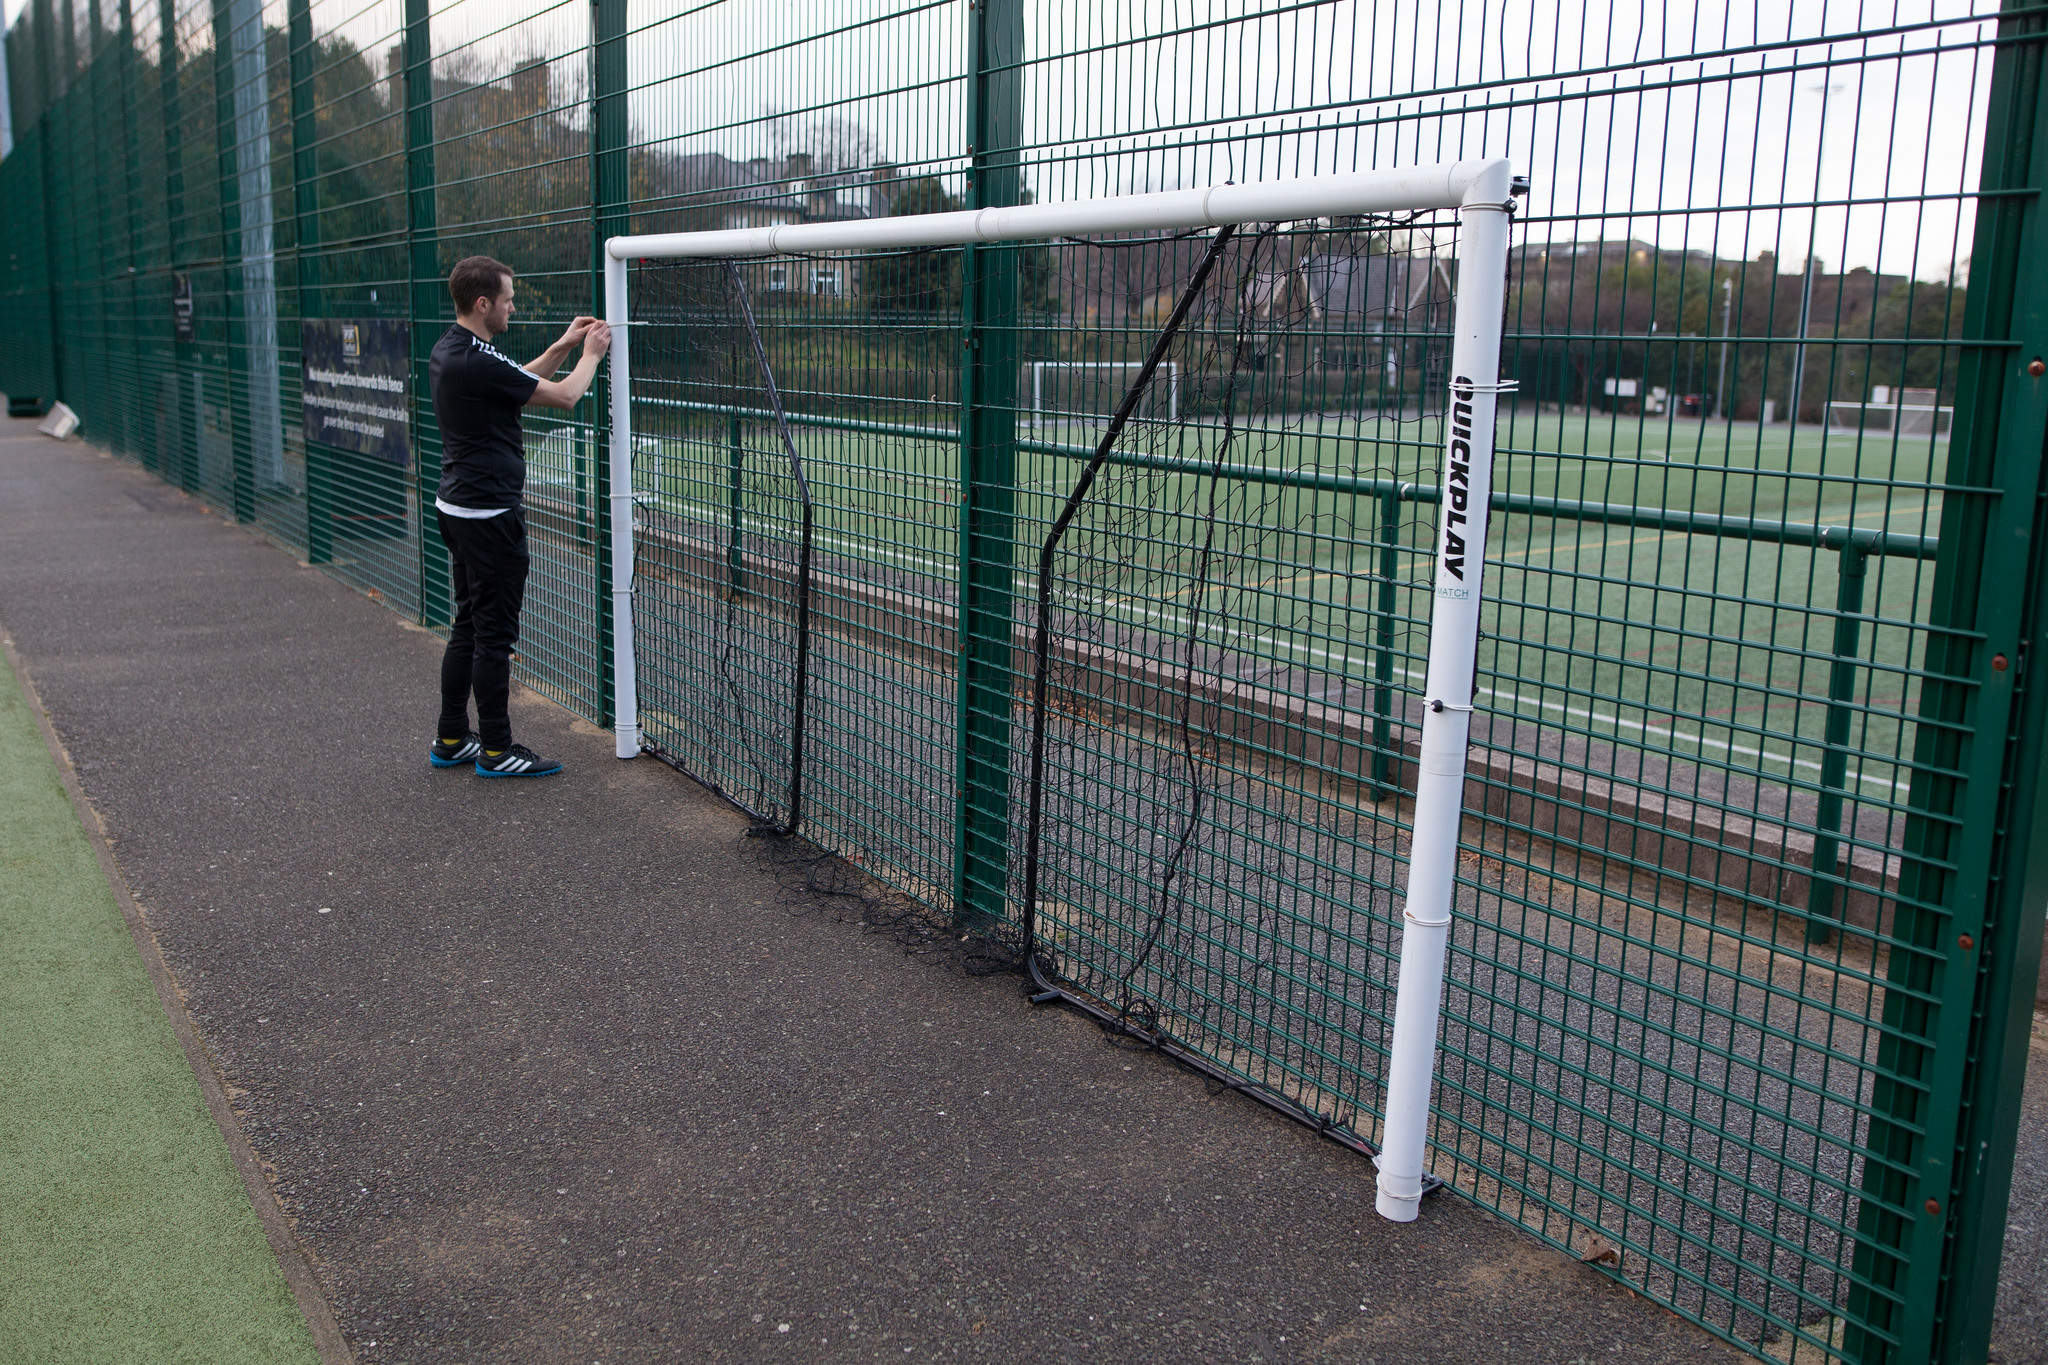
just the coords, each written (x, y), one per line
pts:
(488, 575)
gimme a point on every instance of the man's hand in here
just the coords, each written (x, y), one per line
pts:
(578, 328)
(547, 362)
(597, 339)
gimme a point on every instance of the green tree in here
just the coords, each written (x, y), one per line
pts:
(925, 280)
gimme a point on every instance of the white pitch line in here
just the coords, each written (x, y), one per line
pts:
(1517, 698)
(717, 514)
(1352, 662)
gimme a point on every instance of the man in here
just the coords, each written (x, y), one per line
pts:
(478, 393)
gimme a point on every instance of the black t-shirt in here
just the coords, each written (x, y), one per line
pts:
(478, 392)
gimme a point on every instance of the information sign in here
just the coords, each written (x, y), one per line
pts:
(357, 386)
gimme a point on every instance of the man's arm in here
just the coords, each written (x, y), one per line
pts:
(551, 359)
(567, 393)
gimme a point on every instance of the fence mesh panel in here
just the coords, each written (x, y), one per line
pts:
(1736, 937)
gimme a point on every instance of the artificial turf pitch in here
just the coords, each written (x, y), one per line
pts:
(125, 1232)
(1712, 647)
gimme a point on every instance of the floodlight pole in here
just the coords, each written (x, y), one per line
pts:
(1460, 551)
(1799, 352)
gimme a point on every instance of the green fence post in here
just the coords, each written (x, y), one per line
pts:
(108, 248)
(611, 191)
(988, 470)
(1989, 1023)
(175, 465)
(1389, 538)
(735, 561)
(88, 241)
(73, 348)
(424, 303)
(98, 396)
(586, 524)
(1834, 763)
(306, 235)
(1937, 1155)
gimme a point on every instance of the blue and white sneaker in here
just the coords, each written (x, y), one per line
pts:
(517, 761)
(455, 753)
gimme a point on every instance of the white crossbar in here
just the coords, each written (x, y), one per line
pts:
(1446, 185)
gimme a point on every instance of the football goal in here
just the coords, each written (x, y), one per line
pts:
(1166, 519)
(1899, 411)
(1090, 390)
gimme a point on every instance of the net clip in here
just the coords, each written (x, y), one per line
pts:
(1500, 386)
(1450, 706)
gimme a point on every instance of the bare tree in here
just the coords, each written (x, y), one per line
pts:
(834, 145)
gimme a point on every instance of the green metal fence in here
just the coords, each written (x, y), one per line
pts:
(1750, 897)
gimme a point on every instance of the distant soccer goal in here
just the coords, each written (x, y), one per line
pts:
(1090, 390)
(1905, 412)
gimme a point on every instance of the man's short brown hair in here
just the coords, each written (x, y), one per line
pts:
(476, 277)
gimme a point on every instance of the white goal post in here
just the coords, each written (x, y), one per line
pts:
(1482, 192)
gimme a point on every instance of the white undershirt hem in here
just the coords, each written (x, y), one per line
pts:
(469, 513)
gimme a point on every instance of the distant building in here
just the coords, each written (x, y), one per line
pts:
(1368, 292)
(1377, 310)
(707, 191)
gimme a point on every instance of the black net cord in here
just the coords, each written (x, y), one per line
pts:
(801, 682)
(1042, 631)
(1119, 1022)
(1172, 887)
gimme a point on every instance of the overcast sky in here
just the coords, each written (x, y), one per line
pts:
(1797, 112)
